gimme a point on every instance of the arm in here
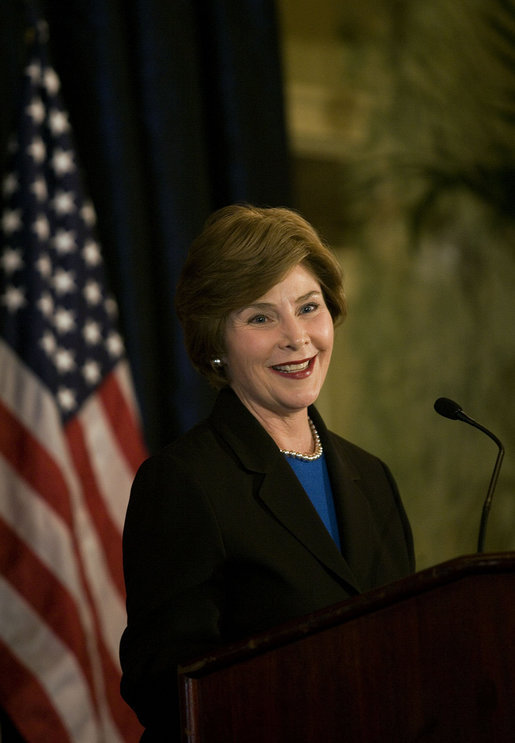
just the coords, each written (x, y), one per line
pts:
(172, 557)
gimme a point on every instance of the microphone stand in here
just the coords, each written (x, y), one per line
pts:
(450, 409)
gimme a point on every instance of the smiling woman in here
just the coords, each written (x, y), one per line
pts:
(277, 352)
(259, 514)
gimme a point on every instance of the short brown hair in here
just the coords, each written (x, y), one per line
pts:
(241, 253)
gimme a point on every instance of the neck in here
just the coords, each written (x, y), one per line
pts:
(290, 431)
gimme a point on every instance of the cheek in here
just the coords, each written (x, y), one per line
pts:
(243, 352)
(326, 335)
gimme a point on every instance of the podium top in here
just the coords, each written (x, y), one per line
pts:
(425, 580)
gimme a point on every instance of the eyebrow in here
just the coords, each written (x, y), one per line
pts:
(268, 305)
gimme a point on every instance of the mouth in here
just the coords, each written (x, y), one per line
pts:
(295, 369)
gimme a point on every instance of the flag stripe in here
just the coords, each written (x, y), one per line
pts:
(107, 532)
(27, 702)
(122, 716)
(16, 442)
(47, 597)
(112, 471)
(49, 660)
(112, 613)
(37, 525)
(53, 545)
(69, 438)
(121, 417)
(29, 400)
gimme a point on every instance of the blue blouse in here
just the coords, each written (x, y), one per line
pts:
(314, 478)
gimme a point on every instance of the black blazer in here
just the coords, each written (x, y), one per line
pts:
(221, 541)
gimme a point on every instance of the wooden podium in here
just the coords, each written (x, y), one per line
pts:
(429, 658)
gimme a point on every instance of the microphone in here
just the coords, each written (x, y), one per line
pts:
(450, 409)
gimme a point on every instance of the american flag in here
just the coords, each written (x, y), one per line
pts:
(69, 440)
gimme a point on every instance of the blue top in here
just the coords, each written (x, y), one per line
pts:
(314, 478)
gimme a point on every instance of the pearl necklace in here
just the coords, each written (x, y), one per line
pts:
(307, 457)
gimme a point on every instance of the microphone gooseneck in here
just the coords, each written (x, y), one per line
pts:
(450, 409)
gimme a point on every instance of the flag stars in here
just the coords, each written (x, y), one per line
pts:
(91, 254)
(91, 372)
(36, 111)
(64, 203)
(10, 184)
(64, 320)
(111, 308)
(63, 281)
(34, 71)
(51, 81)
(14, 298)
(41, 227)
(62, 162)
(44, 266)
(58, 122)
(48, 343)
(11, 260)
(37, 150)
(92, 292)
(64, 241)
(11, 221)
(45, 304)
(66, 399)
(54, 293)
(92, 332)
(88, 214)
(114, 344)
(64, 360)
(39, 188)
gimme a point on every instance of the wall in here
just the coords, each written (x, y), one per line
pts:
(400, 119)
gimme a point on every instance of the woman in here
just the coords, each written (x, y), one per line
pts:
(259, 514)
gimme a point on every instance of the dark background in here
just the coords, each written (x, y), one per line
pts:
(177, 109)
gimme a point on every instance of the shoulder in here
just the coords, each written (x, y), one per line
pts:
(352, 455)
(189, 453)
(229, 442)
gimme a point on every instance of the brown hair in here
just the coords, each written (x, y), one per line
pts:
(241, 253)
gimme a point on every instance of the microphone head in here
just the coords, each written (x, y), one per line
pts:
(448, 408)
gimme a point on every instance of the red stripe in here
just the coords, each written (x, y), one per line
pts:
(47, 597)
(42, 473)
(33, 464)
(122, 421)
(124, 717)
(27, 703)
(27, 456)
(106, 530)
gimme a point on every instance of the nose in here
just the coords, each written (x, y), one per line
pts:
(294, 334)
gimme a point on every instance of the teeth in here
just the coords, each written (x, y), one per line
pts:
(293, 367)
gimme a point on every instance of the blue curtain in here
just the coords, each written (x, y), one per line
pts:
(177, 109)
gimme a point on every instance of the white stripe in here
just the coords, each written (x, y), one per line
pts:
(32, 404)
(38, 525)
(124, 377)
(111, 469)
(109, 604)
(56, 669)
(48, 537)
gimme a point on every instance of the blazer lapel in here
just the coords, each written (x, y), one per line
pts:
(280, 490)
(288, 502)
(355, 521)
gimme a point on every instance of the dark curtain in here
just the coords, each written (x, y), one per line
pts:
(177, 109)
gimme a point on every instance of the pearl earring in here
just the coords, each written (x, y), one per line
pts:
(216, 363)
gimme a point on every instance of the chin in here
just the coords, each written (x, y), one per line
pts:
(304, 400)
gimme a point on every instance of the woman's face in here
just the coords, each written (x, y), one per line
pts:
(278, 348)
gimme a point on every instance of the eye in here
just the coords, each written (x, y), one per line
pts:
(306, 309)
(258, 320)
